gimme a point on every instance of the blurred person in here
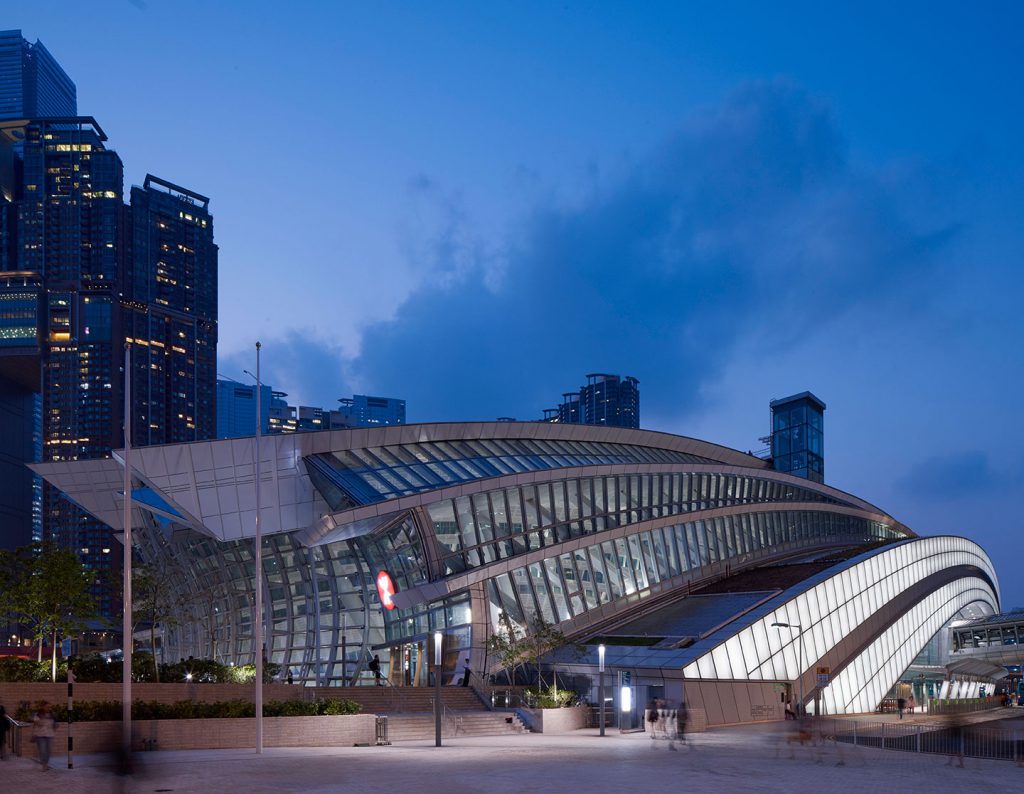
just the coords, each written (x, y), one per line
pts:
(43, 729)
(5, 726)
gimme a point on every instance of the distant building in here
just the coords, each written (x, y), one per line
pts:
(797, 437)
(32, 83)
(610, 400)
(236, 408)
(282, 417)
(236, 412)
(362, 410)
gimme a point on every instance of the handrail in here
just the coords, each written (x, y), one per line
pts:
(450, 717)
(14, 738)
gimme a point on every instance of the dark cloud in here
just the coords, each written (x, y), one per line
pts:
(952, 476)
(748, 222)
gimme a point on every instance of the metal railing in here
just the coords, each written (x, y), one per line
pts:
(14, 732)
(940, 738)
(451, 721)
(963, 705)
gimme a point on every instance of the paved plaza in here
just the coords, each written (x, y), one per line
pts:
(748, 759)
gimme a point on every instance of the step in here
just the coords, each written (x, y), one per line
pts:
(408, 727)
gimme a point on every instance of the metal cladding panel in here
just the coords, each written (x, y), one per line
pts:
(854, 595)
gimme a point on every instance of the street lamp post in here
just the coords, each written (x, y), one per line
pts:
(600, 684)
(258, 617)
(437, 688)
(800, 661)
(126, 623)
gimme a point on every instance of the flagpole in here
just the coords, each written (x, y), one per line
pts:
(126, 624)
(258, 618)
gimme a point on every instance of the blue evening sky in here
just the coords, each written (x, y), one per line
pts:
(472, 205)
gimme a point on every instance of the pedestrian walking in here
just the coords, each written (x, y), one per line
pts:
(901, 703)
(682, 715)
(43, 729)
(5, 726)
(375, 669)
(466, 672)
(652, 718)
(954, 735)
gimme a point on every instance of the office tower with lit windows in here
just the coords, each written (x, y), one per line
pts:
(32, 83)
(81, 273)
(610, 400)
(170, 314)
(60, 329)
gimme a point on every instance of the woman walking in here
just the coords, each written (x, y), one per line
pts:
(43, 728)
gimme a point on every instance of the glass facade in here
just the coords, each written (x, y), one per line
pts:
(798, 441)
(479, 529)
(582, 530)
(376, 474)
(569, 585)
(32, 83)
(979, 634)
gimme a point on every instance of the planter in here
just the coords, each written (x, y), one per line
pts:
(211, 734)
(558, 720)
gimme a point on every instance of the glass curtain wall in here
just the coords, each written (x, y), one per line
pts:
(569, 585)
(481, 528)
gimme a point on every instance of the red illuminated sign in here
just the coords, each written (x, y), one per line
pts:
(385, 589)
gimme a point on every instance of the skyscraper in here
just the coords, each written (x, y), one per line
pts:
(32, 83)
(59, 327)
(81, 273)
(610, 400)
(170, 314)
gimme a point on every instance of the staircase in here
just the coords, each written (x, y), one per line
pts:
(412, 727)
(410, 711)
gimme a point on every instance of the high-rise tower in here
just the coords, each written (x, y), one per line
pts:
(610, 400)
(170, 314)
(32, 84)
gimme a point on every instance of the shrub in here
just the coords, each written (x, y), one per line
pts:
(15, 668)
(110, 710)
(550, 698)
(338, 706)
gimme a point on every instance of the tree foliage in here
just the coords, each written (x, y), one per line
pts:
(157, 599)
(47, 588)
(517, 648)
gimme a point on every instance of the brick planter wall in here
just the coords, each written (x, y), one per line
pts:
(100, 737)
(13, 693)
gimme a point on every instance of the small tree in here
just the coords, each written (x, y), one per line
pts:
(51, 592)
(516, 647)
(157, 598)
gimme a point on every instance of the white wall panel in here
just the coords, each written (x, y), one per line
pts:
(854, 598)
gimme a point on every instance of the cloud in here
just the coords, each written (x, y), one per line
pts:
(951, 476)
(308, 368)
(747, 223)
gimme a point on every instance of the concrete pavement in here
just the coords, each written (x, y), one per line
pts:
(747, 759)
